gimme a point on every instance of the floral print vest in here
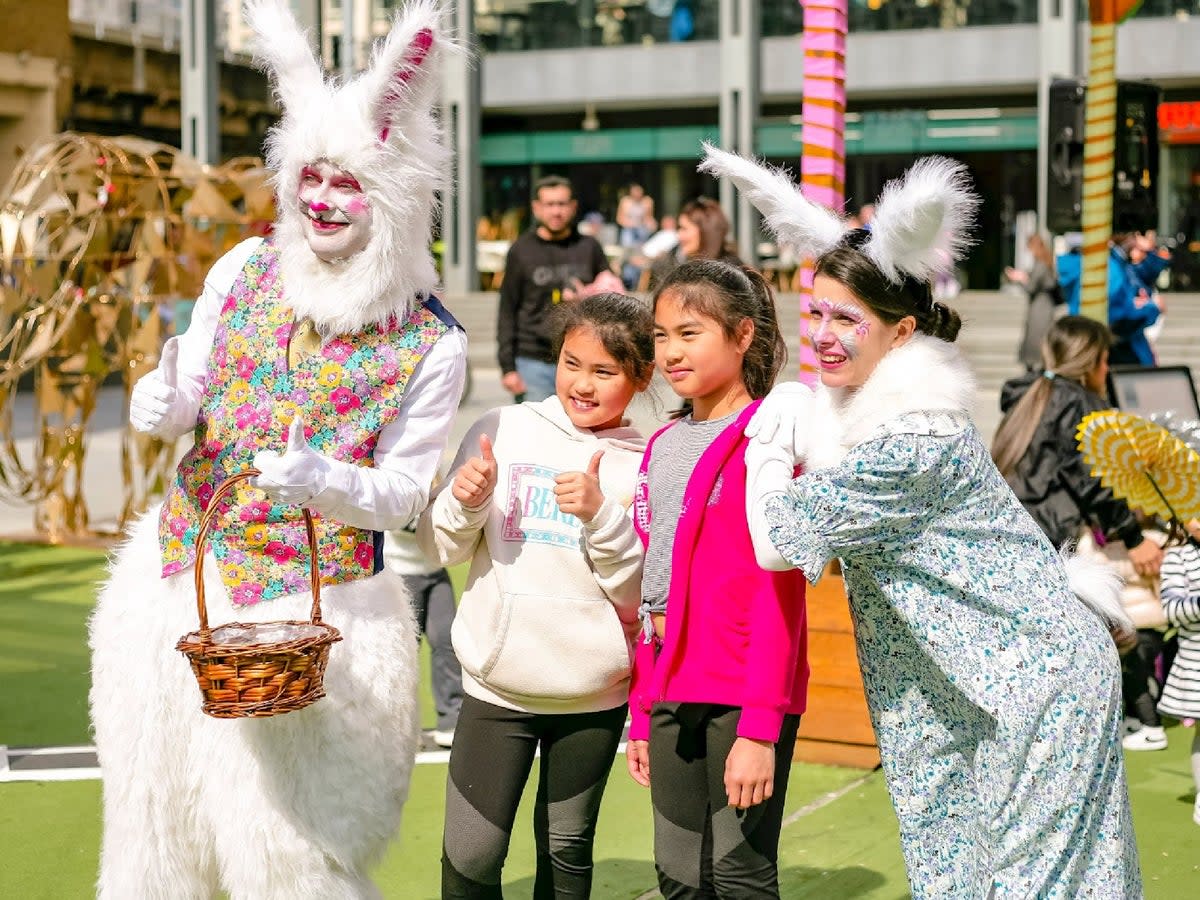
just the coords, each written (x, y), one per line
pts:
(346, 393)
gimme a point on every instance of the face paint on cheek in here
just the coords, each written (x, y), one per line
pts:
(357, 207)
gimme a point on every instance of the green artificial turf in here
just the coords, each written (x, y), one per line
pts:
(46, 594)
(846, 847)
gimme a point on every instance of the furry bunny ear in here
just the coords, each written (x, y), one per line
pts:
(401, 63)
(921, 220)
(793, 218)
(282, 50)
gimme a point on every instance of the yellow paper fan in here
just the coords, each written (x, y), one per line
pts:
(1142, 463)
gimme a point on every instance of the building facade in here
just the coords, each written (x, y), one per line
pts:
(613, 91)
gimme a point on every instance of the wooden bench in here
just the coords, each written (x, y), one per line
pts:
(836, 729)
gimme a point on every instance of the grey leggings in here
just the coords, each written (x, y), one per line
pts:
(489, 766)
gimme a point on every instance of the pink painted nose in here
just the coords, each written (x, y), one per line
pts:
(318, 206)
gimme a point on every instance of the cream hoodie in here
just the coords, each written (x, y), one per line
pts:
(549, 613)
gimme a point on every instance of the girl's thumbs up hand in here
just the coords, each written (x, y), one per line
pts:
(578, 493)
(476, 478)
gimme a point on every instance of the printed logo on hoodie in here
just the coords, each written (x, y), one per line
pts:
(533, 513)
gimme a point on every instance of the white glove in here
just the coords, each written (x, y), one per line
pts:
(155, 401)
(295, 476)
(784, 418)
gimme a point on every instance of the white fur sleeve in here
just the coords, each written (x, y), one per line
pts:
(394, 492)
(616, 553)
(766, 477)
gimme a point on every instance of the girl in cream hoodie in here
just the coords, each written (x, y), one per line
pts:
(539, 505)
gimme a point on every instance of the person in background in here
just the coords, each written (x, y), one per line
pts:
(635, 217)
(432, 598)
(548, 264)
(1131, 307)
(1045, 296)
(703, 232)
(1180, 593)
(1035, 449)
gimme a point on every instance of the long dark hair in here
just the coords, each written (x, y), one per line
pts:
(624, 325)
(848, 265)
(710, 220)
(1072, 349)
(730, 295)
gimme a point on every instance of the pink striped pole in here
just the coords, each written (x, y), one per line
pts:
(823, 159)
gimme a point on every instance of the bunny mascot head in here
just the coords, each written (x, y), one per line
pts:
(321, 358)
(357, 166)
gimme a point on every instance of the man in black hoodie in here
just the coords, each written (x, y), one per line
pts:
(546, 265)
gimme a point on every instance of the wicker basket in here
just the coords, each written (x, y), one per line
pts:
(262, 669)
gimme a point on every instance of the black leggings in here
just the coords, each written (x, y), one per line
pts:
(703, 847)
(489, 765)
(1138, 682)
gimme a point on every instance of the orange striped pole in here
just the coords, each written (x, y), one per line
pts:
(1099, 145)
(1100, 130)
(823, 157)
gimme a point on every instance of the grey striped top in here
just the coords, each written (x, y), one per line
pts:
(672, 460)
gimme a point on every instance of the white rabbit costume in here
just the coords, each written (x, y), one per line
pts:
(298, 805)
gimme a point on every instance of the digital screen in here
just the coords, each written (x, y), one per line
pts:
(1144, 392)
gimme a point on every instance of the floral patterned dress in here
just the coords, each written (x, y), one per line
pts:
(995, 694)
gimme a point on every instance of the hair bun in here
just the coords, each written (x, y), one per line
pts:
(944, 322)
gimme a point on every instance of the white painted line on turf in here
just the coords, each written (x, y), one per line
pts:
(86, 773)
(80, 774)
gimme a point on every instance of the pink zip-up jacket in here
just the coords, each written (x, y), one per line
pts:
(736, 634)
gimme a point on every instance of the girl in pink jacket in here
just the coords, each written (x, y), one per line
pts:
(720, 676)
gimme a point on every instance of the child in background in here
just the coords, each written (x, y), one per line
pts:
(720, 678)
(539, 505)
(432, 598)
(1180, 593)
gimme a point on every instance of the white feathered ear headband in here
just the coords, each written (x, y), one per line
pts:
(921, 220)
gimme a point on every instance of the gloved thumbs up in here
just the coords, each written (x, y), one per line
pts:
(168, 363)
(295, 476)
(154, 405)
(295, 438)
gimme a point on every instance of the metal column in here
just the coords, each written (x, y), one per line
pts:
(739, 36)
(199, 124)
(461, 200)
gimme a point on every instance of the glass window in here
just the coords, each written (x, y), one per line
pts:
(506, 25)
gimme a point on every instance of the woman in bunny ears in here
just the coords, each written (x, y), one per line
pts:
(995, 693)
(321, 357)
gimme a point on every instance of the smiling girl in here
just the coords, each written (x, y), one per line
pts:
(721, 675)
(538, 505)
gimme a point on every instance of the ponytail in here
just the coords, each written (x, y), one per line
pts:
(1071, 350)
(1016, 430)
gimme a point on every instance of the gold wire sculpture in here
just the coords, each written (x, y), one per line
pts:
(105, 243)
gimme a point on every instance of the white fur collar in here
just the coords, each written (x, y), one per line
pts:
(925, 374)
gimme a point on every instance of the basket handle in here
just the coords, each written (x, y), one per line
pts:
(314, 569)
